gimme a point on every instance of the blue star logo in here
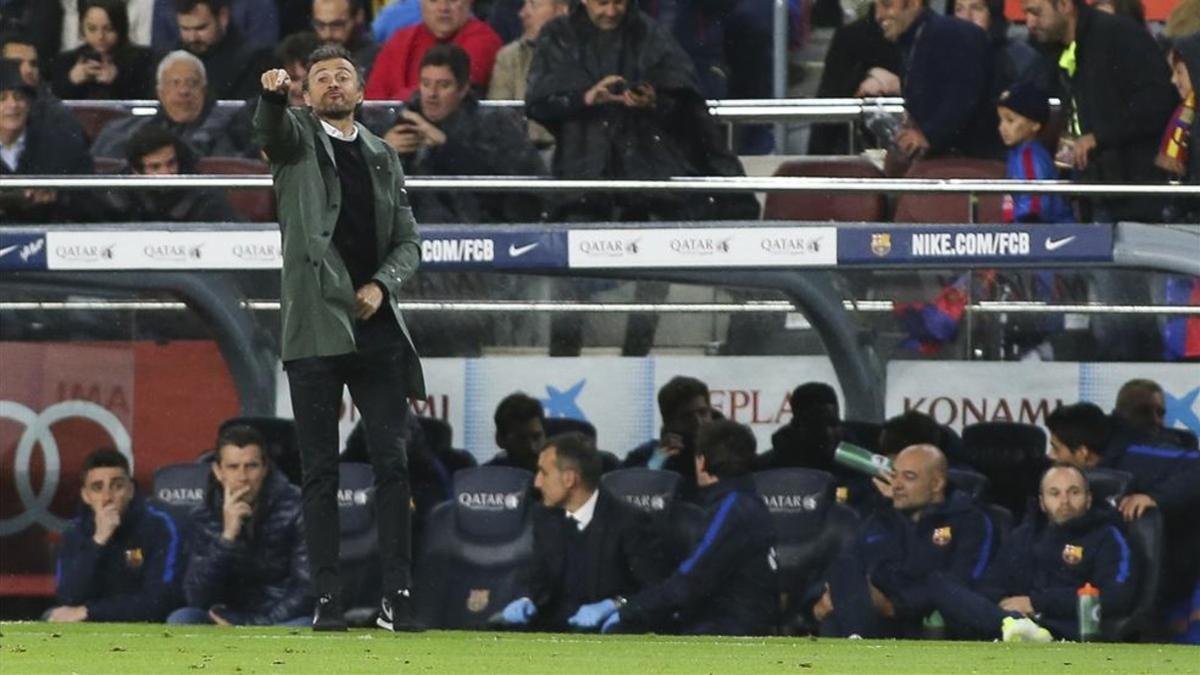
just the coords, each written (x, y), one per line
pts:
(1183, 410)
(563, 403)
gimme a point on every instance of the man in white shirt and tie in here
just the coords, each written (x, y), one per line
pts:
(588, 545)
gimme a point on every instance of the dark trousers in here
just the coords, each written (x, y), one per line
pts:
(375, 379)
(972, 615)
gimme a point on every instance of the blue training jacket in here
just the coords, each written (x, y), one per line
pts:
(728, 584)
(134, 577)
(955, 537)
(1049, 563)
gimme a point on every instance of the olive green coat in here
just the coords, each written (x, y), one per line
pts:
(316, 291)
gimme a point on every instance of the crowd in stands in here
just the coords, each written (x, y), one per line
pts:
(706, 541)
(616, 89)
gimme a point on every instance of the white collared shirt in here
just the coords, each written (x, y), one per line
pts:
(583, 516)
(334, 132)
(11, 154)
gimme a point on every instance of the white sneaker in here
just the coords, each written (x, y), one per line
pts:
(1024, 630)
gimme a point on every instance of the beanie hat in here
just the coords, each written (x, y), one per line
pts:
(1027, 99)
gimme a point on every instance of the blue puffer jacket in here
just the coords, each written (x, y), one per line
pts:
(262, 577)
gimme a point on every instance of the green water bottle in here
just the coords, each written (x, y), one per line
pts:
(862, 460)
(1088, 609)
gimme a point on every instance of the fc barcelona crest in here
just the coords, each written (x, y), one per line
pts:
(477, 600)
(134, 558)
(1072, 555)
(881, 243)
(942, 536)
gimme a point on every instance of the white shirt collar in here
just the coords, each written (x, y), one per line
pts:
(334, 132)
(583, 516)
(11, 154)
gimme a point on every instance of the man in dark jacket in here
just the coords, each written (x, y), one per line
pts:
(1045, 561)
(249, 562)
(809, 438)
(443, 132)
(728, 584)
(880, 587)
(621, 99)
(945, 81)
(33, 145)
(1165, 476)
(185, 108)
(684, 404)
(1117, 87)
(121, 559)
(232, 64)
(520, 432)
(155, 151)
(589, 547)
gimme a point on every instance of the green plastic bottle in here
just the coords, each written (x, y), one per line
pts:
(1088, 609)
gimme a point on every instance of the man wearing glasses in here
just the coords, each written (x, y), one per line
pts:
(120, 559)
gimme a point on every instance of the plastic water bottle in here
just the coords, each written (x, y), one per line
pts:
(1088, 610)
(883, 125)
(861, 459)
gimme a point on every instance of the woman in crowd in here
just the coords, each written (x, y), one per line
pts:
(106, 65)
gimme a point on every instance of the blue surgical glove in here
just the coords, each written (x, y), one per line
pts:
(590, 617)
(519, 611)
(610, 624)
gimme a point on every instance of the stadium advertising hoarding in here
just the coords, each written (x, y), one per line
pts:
(702, 247)
(989, 244)
(503, 248)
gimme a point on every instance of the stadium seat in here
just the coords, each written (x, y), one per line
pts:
(926, 208)
(256, 205)
(477, 547)
(280, 436)
(1108, 484)
(1146, 540)
(1012, 455)
(811, 529)
(180, 488)
(93, 116)
(971, 482)
(826, 206)
(656, 492)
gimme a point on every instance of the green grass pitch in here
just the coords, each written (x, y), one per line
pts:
(141, 648)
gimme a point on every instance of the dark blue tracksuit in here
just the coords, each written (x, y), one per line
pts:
(728, 585)
(898, 556)
(1048, 563)
(1171, 476)
(134, 577)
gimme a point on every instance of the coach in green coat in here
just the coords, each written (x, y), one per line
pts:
(349, 244)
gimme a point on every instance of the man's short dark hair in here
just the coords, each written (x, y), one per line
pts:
(727, 447)
(240, 436)
(15, 38)
(104, 458)
(911, 428)
(1081, 424)
(677, 392)
(152, 137)
(188, 6)
(296, 48)
(1087, 487)
(451, 56)
(328, 52)
(573, 450)
(810, 398)
(516, 409)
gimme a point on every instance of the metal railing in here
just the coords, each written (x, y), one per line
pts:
(537, 184)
